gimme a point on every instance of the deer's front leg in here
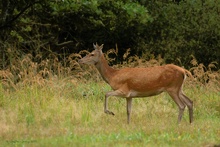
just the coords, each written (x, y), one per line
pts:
(106, 107)
(129, 103)
(111, 93)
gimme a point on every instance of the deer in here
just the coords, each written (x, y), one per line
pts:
(136, 82)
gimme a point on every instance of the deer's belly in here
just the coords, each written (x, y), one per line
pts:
(133, 93)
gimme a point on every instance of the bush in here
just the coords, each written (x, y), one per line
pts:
(174, 30)
(184, 29)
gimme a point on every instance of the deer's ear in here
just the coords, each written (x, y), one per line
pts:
(101, 47)
(94, 45)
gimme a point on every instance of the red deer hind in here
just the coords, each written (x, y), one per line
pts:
(141, 82)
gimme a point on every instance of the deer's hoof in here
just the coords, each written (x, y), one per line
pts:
(109, 112)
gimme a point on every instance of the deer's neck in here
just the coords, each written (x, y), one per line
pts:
(105, 70)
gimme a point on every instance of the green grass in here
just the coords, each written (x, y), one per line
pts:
(62, 113)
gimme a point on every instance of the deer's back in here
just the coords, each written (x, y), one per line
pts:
(150, 78)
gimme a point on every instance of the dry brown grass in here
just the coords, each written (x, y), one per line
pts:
(28, 69)
(206, 76)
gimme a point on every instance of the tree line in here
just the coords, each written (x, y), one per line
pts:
(176, 30)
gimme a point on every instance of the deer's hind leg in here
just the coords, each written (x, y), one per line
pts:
(189, 104)
(175, 96)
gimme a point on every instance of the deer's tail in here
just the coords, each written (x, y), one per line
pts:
(188, 73)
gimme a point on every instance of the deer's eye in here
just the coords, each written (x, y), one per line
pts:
(91, 54)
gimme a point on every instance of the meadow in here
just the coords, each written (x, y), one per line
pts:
(49, 104)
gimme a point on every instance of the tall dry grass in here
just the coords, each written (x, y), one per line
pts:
(36, 70)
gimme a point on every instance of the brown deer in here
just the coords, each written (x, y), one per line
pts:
(141, 82)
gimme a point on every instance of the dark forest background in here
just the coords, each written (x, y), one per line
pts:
(176, 30)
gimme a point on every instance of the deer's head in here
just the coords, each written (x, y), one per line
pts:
(94, 56)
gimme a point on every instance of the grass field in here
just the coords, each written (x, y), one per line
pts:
(67, 113)
(45, 103)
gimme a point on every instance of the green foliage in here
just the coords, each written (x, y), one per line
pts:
(173, 29)
(103, 21)
(189, 28)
